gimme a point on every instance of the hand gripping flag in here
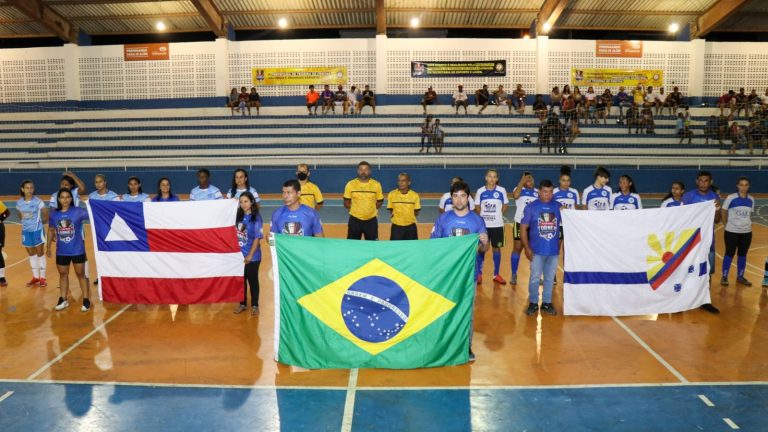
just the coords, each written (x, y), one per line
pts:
(349, 304)
(637, 262)
(167, 253)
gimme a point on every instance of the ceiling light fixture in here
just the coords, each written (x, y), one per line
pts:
(160, 26)
(415, 22)
(282, 23)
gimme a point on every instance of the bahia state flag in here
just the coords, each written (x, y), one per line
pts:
(353, 304)
(637, 262)
(167, 252)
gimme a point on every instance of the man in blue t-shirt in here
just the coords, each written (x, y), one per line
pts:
(295, 218)
(540, 235)
(703, 193)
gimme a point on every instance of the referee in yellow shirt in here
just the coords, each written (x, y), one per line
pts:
(363, 197)
(310, 193)
(404, 205)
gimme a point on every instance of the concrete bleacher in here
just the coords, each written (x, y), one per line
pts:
(173, 137)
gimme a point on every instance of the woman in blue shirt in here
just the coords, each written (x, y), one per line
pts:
(250, 231)
(675, 196)
(164, 193)
(135, 194)
(65, 228)
(34, 216)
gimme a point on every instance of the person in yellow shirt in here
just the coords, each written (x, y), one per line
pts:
(363, 197)
(4, 213)
(638, 95)
(310, 193)
(404, 205)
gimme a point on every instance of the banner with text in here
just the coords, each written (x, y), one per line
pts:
(300, 76)
(432, 69)
(619, 48)
(617, 77)
(149, 51)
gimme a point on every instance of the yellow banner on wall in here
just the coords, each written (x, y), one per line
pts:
(299, 76)
(617, 77)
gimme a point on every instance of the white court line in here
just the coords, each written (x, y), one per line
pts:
(6, 396)
(730, 423)
(17, 263)
(706, 401)
(650, 350)
(79, 342)
(349, 403)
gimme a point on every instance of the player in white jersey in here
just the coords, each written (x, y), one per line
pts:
(446, 202)
(523, 194)
(737, 216)
(675, 196)
(564, 194)
(597, 196)
(627, 197)
(491, 203)
(34, 217)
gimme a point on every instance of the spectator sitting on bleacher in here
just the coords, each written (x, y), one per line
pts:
(578, 100)
(661, 102)
(722, 128)
(438, 137)
(254, 100)
(638, 96)
(569, 110)
(753, 103)
(540, 107)
(369, 99)
(608, 100)
(430, 98)
(727, 100)
(675, 100)
(650, 98)
(242, 101)
(710, 130)
(591, 98)
(738, 137)
(460, 99)
(622, 100)
(518, 99)
(556, 98)
(312, 98)
(233, 101)
(682, 130)
(566, 91)
(426, 132)
(646, 117)
(482, 98)
(328, 99)
(741, 102)
(353, 96)
(340, 98)
(501, 98)
(601, 110)
(571, 132)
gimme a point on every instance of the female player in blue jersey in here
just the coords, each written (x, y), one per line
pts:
(34, 216)
(597, 196)
(737, 216)
(523, 194)
(102, 192)
(135, 193)
(164, 192)
(675, 196)
(249, 234)
(627, 198)
(65, 228)
(240, 184)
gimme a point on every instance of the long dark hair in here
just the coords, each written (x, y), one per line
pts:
(254, 208)
(669, 195)
(160, 194)
(24, 183)
(58, 198)
(233, 189)
(137, 181)
(632, 188)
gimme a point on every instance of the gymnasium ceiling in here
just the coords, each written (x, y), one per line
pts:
(66, 18)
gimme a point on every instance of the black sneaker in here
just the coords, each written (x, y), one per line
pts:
(532, 309)
(86, 305)
(471, 356)
(709, 307)
(742, 280)
(548, 308)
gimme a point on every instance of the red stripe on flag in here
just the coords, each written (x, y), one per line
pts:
(207, 240)
(224, 289)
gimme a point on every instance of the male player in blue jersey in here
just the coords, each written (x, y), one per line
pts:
(703, 193)
(295, 218)
(461, 221)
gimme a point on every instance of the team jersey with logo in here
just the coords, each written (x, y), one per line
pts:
(449, 224)
(69, 231)
(142, 197)
(739, 213)
(31, 214)
(248, 230)
(446, 202)
(490, 202)
(597, 198)
(567, 199)
(209, 193)
(543, 220)
(630, 201)
(304, 221)
(527, 196)
(75, 198)
(239, 192)
(670, 202)
(109, 196)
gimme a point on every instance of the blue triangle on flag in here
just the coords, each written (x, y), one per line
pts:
(119, 226)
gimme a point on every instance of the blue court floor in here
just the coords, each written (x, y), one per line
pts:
(91, 407)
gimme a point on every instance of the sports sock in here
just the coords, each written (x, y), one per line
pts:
(515, 262)
(727, 265)
(479, 262)
(33, 264)
(496, 262)
(42, 265)
(741, 265)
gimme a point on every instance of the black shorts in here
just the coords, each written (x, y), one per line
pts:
(496, 237)
(63, 260)
(404, 232)
(516, 228)
(367, 101)
(357, 229)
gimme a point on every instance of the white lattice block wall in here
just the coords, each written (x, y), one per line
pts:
(730, 66)
(354, 54)
(519, 54)
(32, 75)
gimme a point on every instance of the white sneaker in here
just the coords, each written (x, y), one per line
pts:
(86, 306)
(63, 304)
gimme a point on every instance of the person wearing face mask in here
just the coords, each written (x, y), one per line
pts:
(363, 198)
(310, 193)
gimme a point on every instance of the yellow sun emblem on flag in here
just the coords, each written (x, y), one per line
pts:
(669, 256)
(376, 306)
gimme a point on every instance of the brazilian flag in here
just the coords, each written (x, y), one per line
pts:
(368, 304)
